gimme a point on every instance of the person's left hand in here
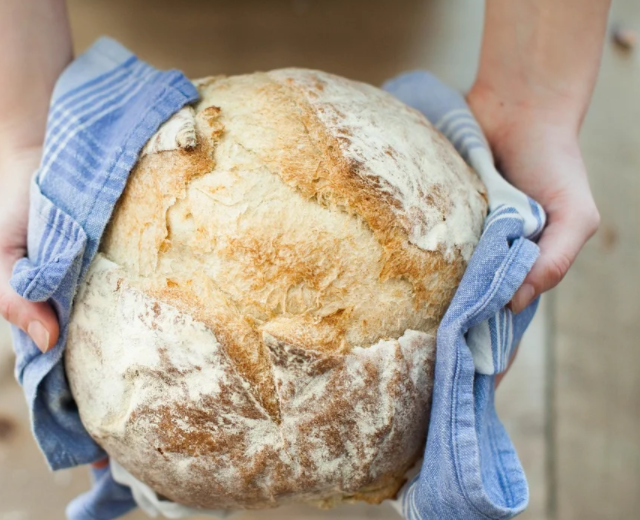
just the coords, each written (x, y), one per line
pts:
(536, 149)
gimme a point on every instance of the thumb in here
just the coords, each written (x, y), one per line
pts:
(37, 319)
(560, 244)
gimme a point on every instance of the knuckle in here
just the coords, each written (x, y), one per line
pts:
(590, 219)
(594, 221)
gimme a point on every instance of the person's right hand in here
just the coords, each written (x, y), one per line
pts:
(38, 320)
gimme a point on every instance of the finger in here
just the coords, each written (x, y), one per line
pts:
(560, 243)
(37, 319)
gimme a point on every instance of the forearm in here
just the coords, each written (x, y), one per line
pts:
(36, 47)
(542, 55)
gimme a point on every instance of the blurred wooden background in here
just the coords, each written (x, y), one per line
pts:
(572, 399)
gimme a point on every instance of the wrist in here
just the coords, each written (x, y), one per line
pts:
(18, 136)
(520, 104)
(18, 152)
(503, 115)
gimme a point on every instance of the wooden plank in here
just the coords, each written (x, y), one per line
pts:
(597, 369)
(370, 41)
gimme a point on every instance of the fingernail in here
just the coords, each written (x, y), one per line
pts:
(523, 297)
(100, 464)
(39, 335)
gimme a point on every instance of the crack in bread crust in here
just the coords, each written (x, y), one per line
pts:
(351, 424)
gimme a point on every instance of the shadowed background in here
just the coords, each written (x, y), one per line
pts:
(572, 399)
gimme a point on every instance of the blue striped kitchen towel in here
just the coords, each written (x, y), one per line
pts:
(106, 105)
(470, 468)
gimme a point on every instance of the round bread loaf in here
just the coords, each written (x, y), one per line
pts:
(259, 325)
